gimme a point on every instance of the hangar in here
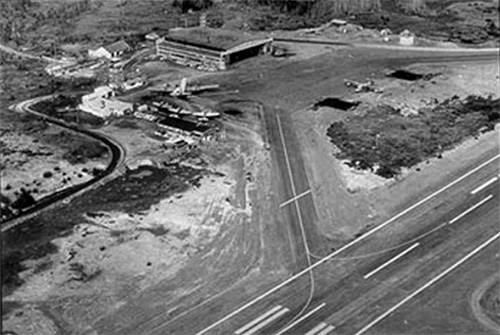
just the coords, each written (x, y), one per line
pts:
(208, 48)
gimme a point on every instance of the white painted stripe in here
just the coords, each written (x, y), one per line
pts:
(391, 260)
(290, 326)
(316, 329)
(347, 246)
(266, 322)
(488, 183)
(471, 209)
(295, 198)
(327, 330)
(259, 319)
(429, 283)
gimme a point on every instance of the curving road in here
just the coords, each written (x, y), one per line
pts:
(117, 157)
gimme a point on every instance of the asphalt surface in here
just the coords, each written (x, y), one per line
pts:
(335, 297)
(353, 301)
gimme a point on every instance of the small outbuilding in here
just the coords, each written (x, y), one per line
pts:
(102, 103)
(406, 37)
(111, 51)
(152, 36)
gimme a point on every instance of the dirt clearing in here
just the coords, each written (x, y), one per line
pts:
(360, 196)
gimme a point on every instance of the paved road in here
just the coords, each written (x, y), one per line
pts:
(117, 156)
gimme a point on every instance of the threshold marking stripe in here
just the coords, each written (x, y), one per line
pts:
(259, 319)
(429, 283)
(488, 183)
(295, 198)
(266, 322)
(391, 260)
(301, 319)
(316, 329)
(326, 330)
(471, 209)
(340, 250)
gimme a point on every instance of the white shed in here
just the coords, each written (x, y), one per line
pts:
(406, 37)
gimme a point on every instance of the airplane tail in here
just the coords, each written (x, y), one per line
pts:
(183, 86)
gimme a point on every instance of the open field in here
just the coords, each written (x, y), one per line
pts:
(119, 239)
(39, 159)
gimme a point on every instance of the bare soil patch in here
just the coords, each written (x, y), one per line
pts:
(490, 302)
(361, 196)
(113, 242)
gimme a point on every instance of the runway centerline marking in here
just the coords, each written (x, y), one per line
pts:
(326, 330)
(348, 245)
(316, 329)
(290, 326)
(295, 198)
(392, 260)
(294, 192)
(488, 183)
(429, 283)
(470, 209)
(259, 319)
(266, 322)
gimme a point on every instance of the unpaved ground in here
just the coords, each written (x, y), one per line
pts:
(331, 179)
(115, 255)
(110, 256)
(39, 166)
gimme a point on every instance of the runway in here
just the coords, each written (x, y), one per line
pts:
(357, 288)
(355, 293)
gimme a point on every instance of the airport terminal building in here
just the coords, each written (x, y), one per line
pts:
(208, 48)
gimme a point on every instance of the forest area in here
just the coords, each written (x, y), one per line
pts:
(20, 16)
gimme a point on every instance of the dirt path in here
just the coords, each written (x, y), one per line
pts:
(480, 294)
(12, 51)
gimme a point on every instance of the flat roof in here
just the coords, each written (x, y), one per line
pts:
(214, 39)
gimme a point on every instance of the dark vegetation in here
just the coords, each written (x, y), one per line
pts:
(78, 149)
(7, 308)
(425, 18)
(128, 194)
(431, 19)
(192, 5)
(384, 141)
(24, 200)
(17, 17)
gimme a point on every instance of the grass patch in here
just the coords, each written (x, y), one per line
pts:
(384, 141)
(127, 194)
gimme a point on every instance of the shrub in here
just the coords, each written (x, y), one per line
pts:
(385, 138)
(47, 174)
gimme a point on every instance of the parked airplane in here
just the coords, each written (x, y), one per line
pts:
(368, 86)
(171, 109)
(184, 90)
(205, 113)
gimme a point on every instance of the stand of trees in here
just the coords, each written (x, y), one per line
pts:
(18, 16)
(194, 5)
(316, 7)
